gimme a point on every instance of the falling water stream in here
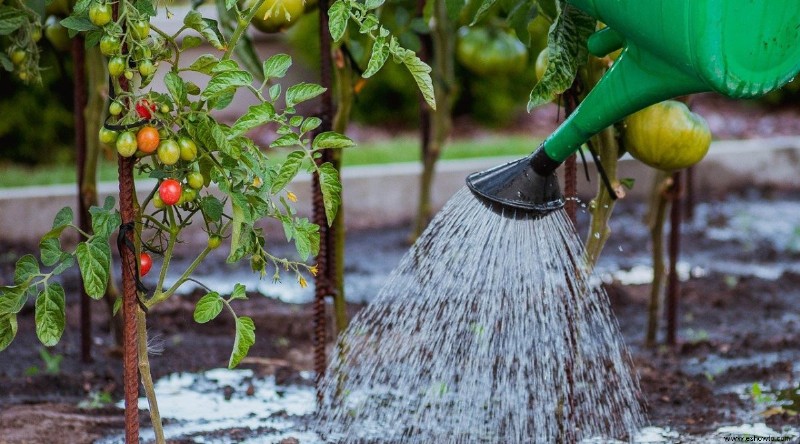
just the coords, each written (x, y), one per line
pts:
(489, 330)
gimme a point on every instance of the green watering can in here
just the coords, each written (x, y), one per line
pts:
(739, 48)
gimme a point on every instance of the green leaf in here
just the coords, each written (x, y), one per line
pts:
(145, 7)
(301, 92)
(63, 217)
(176, 88)
(237, 223)
(288, 170)
(208, 28)
(482, 10)
(27, 267)
(255, 116)
(627, 182)
(380, 52)
(208, 308)
(8, 330)
(62, 220)
(331, 139)
(338, 15)
(369, 23)
(310, 124)
(245, 338)
(11, 19)
(225, 81)
(306, 238)
(50, 317)
(519, 16)
(77, 24)
(239, 292)
(204, 64)
(6, 62)
(421, 73)
(290, 139)
(212, 208)
(276, 66)
(94, 260)
(274, 91)
(567, 52)
(13, 298)
(105, 219)
(331, 190)
(191, 41)
(373, 4)
(67, 261)
(50, 251)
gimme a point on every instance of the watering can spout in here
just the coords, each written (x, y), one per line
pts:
(670, 48)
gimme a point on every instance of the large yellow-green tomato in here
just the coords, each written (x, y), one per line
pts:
(667, 136)
(487, 51)
(282, 14)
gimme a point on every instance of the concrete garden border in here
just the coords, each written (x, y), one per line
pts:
(385, 195)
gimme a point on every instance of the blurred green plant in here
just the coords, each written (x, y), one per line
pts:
(37, 126)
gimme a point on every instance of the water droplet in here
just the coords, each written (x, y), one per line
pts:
(597, 235)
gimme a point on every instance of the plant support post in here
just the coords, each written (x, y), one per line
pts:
(673, 285)
(79, 104)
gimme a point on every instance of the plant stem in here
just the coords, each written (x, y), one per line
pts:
(241, 27)
(160, 296)
(657, 218)
(443, 75)
(343, 78)
(147, 378)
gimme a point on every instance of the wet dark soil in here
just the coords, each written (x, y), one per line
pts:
(735, 329)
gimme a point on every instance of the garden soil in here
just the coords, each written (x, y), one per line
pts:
(735, 329)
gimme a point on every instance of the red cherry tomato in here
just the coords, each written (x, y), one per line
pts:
(145, 263)
(170, 191)
(145, 109)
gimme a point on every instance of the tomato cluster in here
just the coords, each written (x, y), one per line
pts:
(139, 58)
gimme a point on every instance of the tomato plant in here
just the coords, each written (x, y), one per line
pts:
(487, 51)
(178, 120)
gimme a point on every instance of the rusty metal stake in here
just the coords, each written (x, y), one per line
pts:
(673, 285)
(79, 118)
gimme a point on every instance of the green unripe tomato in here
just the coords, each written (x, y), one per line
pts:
(115, 108)
(214, 242)
(157, 202)
(129, 74)
(195, 180)
(109, 45)
(99, 13)
(488, 51)
(667, 136)
(146, 68)
(107, 136)
(18, 56)
(187, 195)
(169, 153)
(188, 149)
(126, 144)
(58, 36)
(140, 29)
(36, 34)
(282, 14)
(116, 66)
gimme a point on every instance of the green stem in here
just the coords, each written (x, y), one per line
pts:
(443, 76)
(659, 201)
(241, 27)
(147, 377)
(343, 78)
(163, 296)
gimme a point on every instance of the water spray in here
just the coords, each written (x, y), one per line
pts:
(670, 48)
